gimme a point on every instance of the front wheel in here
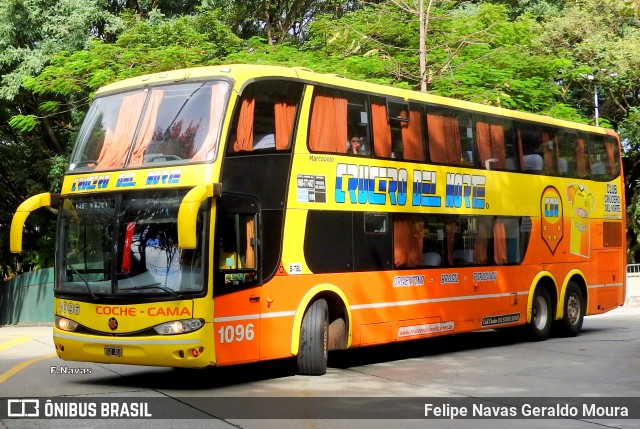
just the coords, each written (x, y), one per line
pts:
(573, 314)
(541, 315)
(314, 339)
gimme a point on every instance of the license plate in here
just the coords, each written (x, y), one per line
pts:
(113, 351)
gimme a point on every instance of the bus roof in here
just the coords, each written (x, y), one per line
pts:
(242, 73)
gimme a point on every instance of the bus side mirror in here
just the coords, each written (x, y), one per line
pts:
(188, 212)
(24, 210)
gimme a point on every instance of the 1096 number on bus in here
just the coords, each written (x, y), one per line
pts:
(231, 333)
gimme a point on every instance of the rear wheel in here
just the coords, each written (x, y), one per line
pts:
(314, 340)
(573, 314)
(541, 315)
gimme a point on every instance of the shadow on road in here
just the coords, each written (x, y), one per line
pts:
(200, 379)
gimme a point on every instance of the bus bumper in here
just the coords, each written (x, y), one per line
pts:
(192, 350)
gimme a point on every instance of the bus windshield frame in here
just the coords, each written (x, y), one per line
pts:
(160, 125)
(126, 245)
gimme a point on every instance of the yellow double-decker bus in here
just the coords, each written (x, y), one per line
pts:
(231, 214)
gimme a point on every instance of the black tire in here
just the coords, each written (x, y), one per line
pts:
(314, 340)
(573, 311)
(541, 315)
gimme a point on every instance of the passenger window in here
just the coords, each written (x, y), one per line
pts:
(441, 240)
(528, 141)
(494, 144)
(339, 123)
(450, 137)
(597, 158)
(539, 148)
(181, 122)
(359, 142)
(397, 130)
(604, 158)
(408, 238)
(265, 117)
(376, 223)
(613, 157)
(237, 251)
(572, 155)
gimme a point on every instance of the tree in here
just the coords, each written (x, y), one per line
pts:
(64, 89)
(422, 11)
(601, 42)
(278, 21)
(629, 131)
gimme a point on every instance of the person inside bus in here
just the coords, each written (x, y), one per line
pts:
(356, 145)
(563, 166)
(532, 160)
(532, 163)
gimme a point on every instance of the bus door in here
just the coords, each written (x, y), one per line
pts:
(236, 281)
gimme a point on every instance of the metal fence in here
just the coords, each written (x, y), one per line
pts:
(633, 286)
(27, 299)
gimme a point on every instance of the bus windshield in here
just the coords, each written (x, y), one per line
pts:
(149, 127)
(127, 245)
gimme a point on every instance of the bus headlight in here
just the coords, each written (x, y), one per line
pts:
(65, 324)
(179, 326)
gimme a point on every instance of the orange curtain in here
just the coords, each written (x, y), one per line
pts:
(581, 158)
(497, 145)
(116, 145)
(412, 137)
(454, 148)
(381, 130)
(499, 243)
(250, 256)
(437, 138)
(210, 143)
(407, 242)
(147, 128)
(610, 148)
(328, 127)
(483, 141)
(284, 115)
(444, 139)
(244, 134)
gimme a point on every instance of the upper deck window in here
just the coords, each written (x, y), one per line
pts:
(264, 120)
(604, 158)
(165, 124)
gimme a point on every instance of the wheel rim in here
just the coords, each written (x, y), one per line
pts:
(573, 309)
(540, 313)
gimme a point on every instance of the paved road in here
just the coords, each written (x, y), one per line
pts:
(603, 362)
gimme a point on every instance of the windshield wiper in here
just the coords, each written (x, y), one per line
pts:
(86, 283)
(153, 286)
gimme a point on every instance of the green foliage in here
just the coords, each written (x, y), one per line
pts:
(31, 30)
(601, 40)
(568, 113)
(57, 167)
(629, 131)
(24, 123)
(146, 47)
